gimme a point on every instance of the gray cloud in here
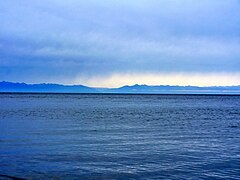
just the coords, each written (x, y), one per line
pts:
(62, 39)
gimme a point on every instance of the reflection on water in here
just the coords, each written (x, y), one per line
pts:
(119, 136)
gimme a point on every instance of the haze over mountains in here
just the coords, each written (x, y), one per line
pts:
(135, 89)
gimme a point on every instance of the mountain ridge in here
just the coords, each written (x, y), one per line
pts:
(135, 89)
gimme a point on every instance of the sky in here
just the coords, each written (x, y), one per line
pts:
(111, 43)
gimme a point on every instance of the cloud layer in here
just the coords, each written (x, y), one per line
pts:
(61, 41)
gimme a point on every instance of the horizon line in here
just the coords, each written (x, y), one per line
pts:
(126, 85)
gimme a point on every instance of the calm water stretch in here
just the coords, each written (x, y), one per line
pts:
(45, 136)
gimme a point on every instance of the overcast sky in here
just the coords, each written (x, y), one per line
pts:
(109, 43)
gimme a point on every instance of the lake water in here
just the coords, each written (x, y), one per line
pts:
(64, 136)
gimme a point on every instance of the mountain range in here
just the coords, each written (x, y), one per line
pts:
(135, 89)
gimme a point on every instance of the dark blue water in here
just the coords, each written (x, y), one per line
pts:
(119, 136)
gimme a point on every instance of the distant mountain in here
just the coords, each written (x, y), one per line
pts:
(51, 88)
(135, 89)
(178, 89)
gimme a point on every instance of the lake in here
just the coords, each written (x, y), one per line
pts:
(113, 136)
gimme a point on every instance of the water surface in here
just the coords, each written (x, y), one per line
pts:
(71, 136)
